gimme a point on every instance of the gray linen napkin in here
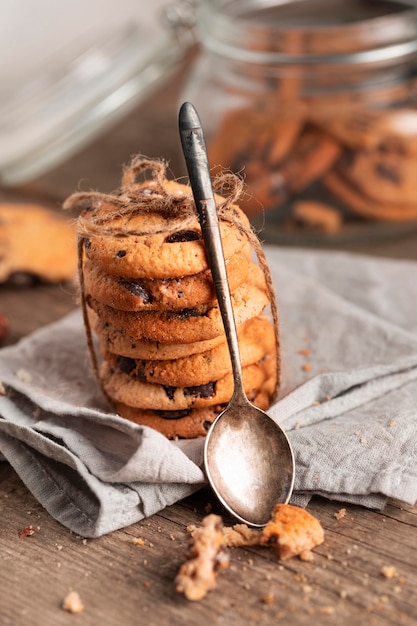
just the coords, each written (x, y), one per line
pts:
(348, 401)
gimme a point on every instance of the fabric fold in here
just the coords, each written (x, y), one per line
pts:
(348, 402)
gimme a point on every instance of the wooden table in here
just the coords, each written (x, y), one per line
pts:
(124, 583)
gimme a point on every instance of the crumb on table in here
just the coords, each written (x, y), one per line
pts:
(73, 603)
(198, 574)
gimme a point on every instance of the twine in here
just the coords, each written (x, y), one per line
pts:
(101, 214)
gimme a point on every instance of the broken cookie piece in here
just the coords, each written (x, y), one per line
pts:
(35, 244)
(292, 531)
(198, 574)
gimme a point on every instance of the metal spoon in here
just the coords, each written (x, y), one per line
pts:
(248, 458)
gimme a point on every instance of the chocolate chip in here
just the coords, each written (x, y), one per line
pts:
(206, 425)
(201, 391)
(182, 236)
(348, 158)
(170, 391)
(126, 364)
(22, 279)
(388, 173)
(173, 415)
(140, 372)
(121, 254)
(137, 290)
(185, 314)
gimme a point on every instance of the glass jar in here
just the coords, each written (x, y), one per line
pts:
(313, 102)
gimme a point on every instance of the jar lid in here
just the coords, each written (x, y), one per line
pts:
(309, 31)
(69, 83)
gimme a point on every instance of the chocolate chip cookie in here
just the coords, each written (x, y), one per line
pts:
(36, 242)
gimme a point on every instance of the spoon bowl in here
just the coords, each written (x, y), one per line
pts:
(248, 458)
(247, 465)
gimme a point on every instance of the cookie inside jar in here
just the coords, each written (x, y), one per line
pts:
(153, 324)
(313, 105)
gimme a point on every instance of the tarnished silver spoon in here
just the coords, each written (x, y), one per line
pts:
(248, 458)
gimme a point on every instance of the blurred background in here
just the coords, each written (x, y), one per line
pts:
(313, 102)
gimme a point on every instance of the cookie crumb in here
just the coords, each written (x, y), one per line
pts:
(340, 514)
(138, 541)
(317, 215)
(389, 571)
(268, 598)
(292, 531)
(307, 367)
(197, 576)
(72, 603)
(241, 535)
(29, 531)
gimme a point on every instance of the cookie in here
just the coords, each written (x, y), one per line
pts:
(250, 134)
(312, 157)
(253, 143)
(188, 325)
(266, 187)
(207, 556)
(186, 423)
(292, 531)
(118, 341)
(367, 207)
(162, 242)
(371, 129)
(121, 387)
(315, 215)
(383, 176)
(256, 341)
(36, 242)
(144, 294)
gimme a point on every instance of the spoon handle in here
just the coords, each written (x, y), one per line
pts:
(195, 154)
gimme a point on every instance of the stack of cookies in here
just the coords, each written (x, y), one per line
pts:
(148, 295)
